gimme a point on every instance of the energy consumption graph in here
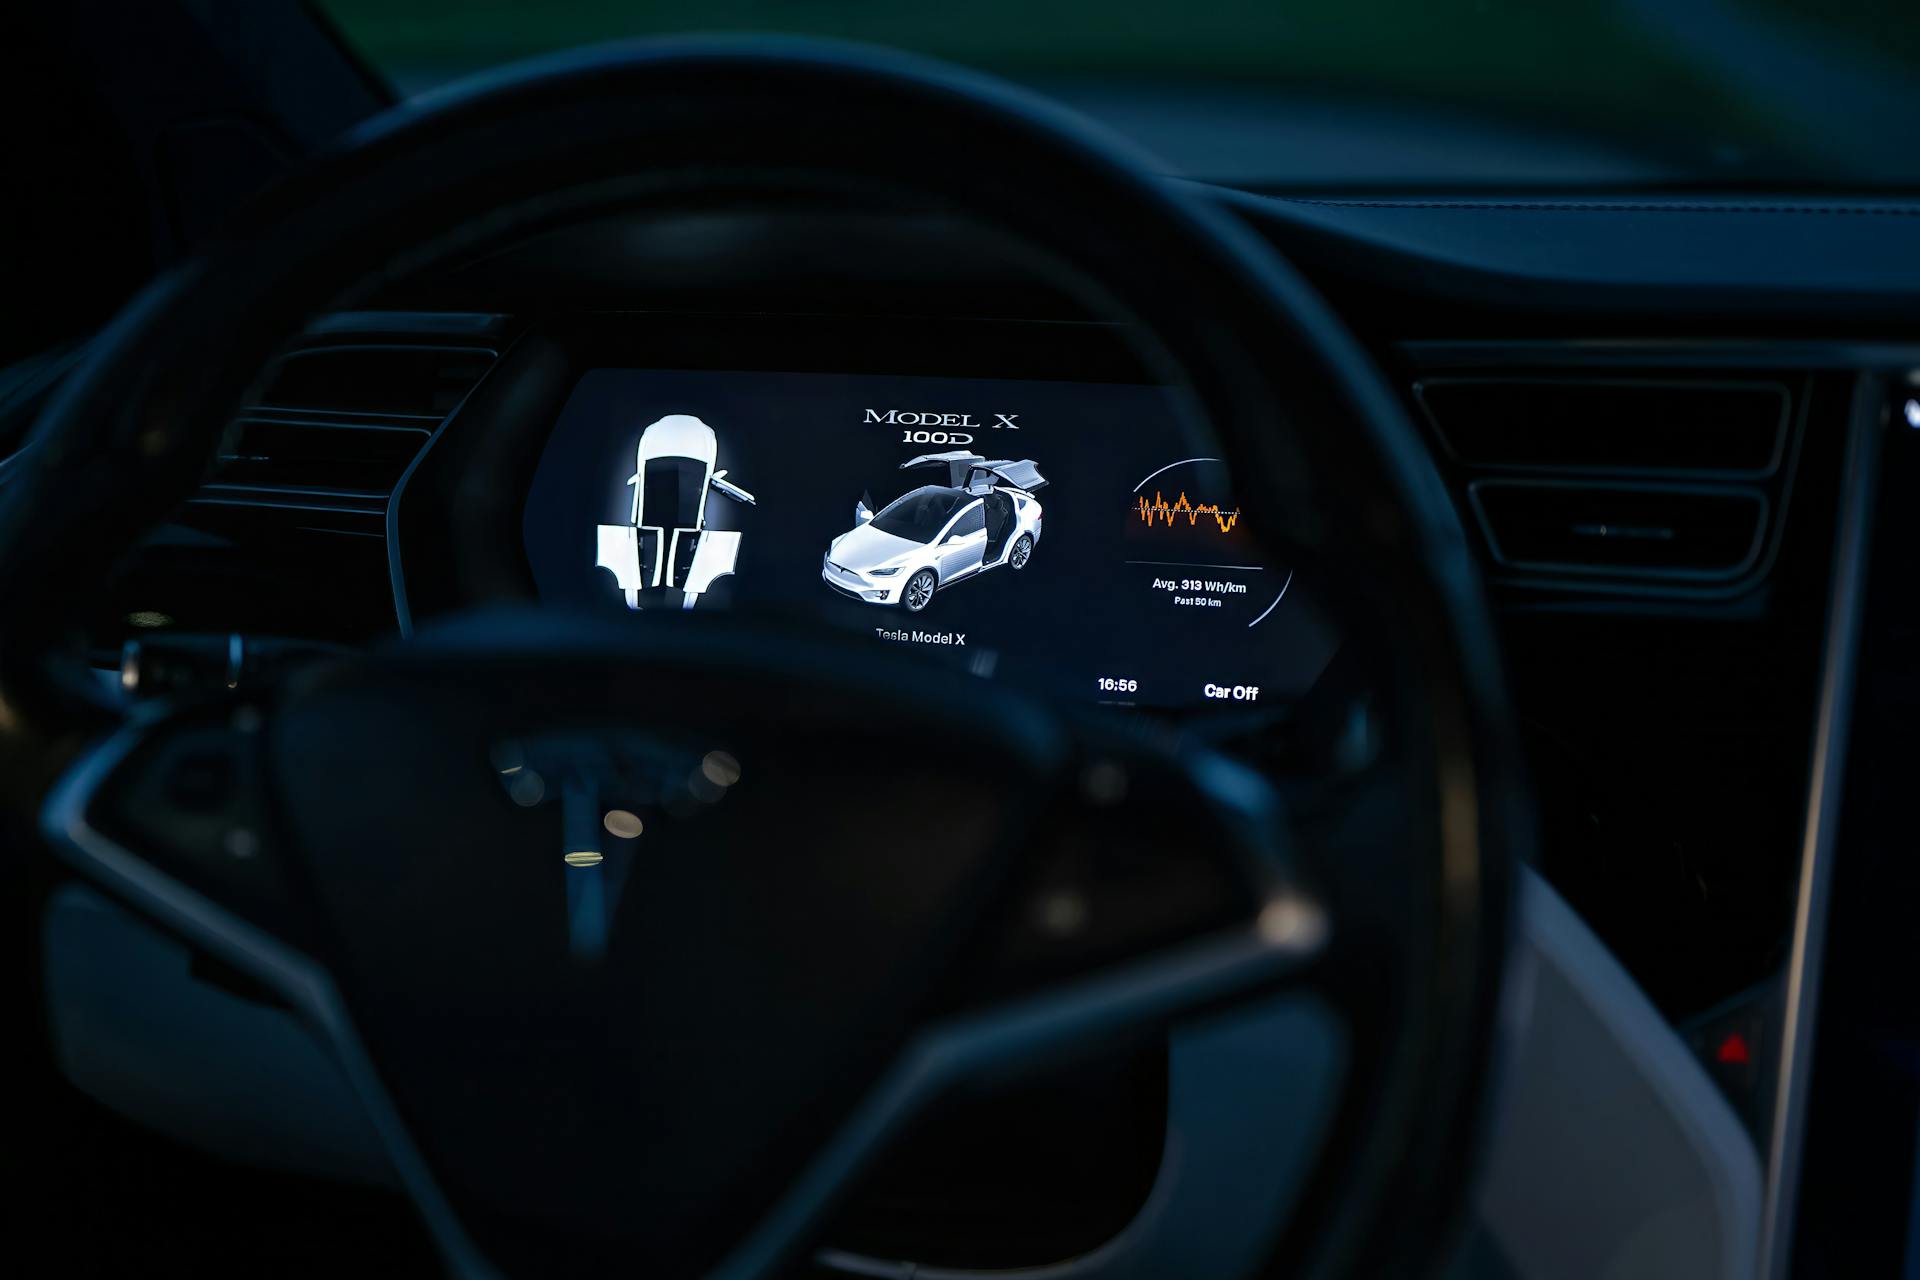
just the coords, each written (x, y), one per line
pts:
(1188, 535)
(1160, 509)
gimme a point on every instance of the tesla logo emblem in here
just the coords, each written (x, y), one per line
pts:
(602, 781)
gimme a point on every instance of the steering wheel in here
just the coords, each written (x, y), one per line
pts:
(794, 984)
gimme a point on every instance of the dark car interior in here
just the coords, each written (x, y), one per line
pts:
(1428, 797)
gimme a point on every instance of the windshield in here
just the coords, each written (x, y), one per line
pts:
(918, 516)
(1344, 94)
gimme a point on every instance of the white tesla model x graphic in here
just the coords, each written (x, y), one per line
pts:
(667, 543)
(985, 516)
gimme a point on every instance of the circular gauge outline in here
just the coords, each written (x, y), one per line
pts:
(1283, 586)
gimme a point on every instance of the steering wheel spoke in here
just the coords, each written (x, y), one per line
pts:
(183, 797)
(1101, 1012)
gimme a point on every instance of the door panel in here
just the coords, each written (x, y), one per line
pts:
(966, 555)
(963, 557)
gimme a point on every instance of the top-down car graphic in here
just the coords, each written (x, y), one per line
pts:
(667, 543)
(983, 517)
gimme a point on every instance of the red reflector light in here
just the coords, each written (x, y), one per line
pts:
(1734, 1050)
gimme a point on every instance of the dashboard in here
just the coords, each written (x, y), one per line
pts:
(1681, 430)
(1668, 692)
(1068, 535)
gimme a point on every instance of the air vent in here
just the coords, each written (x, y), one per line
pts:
(1667, 427)
(337, 425)
(1628, 482)
(1677, 532)
(288, 536)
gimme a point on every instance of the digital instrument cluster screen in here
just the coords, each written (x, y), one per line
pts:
(1052, 534)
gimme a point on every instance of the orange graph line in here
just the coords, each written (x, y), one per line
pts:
(1160, 509)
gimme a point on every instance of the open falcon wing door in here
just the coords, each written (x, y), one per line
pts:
(1022, 475)
(958, 463)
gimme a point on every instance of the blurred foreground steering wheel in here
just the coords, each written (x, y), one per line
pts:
(792, 982)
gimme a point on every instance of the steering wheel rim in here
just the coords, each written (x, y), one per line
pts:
(132, 431)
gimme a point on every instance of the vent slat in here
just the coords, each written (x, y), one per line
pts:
(291, 498)
(345, 419)
(313, 453)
